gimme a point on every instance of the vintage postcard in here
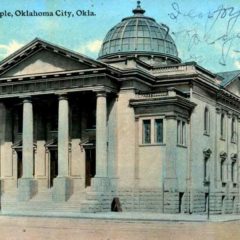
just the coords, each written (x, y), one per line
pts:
(119, 119)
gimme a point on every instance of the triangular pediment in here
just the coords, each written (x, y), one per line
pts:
(41, 57)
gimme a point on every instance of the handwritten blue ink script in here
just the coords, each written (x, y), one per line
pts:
(217, 27)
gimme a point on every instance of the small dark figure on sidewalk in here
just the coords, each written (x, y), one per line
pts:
(116, 205)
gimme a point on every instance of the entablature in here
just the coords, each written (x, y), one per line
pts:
(72, 81)
(170, 101)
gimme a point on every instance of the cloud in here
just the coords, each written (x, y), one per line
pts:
(11, 47)
(91, 46)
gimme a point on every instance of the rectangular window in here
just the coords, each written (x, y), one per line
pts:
(146, 131)
(205, 169)
(181, 133)
(152, 131)
(158, 131)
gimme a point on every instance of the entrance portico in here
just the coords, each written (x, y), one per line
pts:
(73, 128)
(57, 120)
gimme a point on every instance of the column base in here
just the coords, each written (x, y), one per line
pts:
(170, 184)
(42, 183)
(100, 184)
(62, 189)
(27, 188)
(78, 184)
(114, 183)
(9, 185)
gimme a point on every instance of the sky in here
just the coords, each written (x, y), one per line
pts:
(205, 31)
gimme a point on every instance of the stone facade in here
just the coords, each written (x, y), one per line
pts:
(77, 133)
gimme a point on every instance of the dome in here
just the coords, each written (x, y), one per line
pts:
(139, 34)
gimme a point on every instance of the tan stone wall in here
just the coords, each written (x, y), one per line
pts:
(126, 139)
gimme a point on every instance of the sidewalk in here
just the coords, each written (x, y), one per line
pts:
(131, 216)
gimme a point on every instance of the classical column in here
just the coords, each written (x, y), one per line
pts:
(62, 186)
(27, 138)
(27, 184)
(170, 191)
(101, 182)
(170, 181)
(101, 135)
(63, 136)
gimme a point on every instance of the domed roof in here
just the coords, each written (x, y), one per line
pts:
(138, 34)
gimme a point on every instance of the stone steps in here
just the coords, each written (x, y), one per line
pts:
(41, 208)
(86, 202)
(43, 202)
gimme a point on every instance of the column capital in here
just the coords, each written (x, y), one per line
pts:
(171, 116)
(27, 99)
(229, 114)
(223, 156)
(62, 96)
(207, 153)
(218, 110)
(101, 93)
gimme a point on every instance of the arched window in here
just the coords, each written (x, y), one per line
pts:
(206, 121)
(223, 168)
(223, 126)
(206, 169)
(233, 130)
(234, 169)
(206, 165)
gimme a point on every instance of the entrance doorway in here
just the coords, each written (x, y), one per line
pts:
(223, 204)
(180, 206)
(53, 173)
(19, 164)
(90, 157)
(206, 202)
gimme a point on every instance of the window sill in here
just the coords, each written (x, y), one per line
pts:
(151, 144)
(206, 134)
(206, 182)
(222, 138)
(182, 146)
(233, 141)
(90, 129)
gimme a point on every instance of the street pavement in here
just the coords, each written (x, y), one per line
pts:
(52, 228)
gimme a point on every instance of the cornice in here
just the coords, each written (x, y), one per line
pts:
(163, 101)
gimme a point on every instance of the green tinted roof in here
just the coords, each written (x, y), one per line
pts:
(229, 76)
(138, 33)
